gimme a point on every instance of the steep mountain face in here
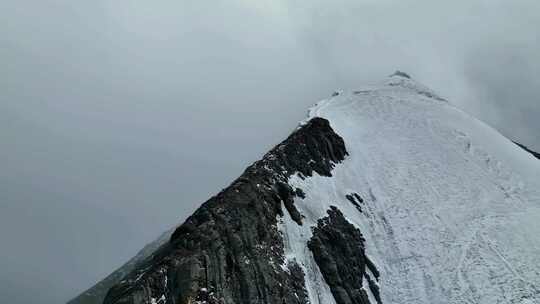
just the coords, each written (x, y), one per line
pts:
(230, 250)
(385, 194)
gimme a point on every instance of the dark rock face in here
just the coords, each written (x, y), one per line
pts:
(401, 74)
(338, 249)
(356, 200)
(230, 250)
(535, 154)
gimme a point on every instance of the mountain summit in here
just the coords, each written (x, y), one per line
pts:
(384, 194)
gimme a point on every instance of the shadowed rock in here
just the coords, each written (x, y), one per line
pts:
(338, 249)
(230, 250)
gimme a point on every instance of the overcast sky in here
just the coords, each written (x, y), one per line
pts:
(118, 118)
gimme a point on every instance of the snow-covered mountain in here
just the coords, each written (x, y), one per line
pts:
(384, 194)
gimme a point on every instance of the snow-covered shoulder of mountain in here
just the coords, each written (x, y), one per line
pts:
(450, 208)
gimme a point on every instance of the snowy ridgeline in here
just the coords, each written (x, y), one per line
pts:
(450, 208)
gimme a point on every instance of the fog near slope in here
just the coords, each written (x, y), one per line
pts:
(118, 118)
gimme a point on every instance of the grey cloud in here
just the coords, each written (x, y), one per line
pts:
(506, 84)
(118, 118)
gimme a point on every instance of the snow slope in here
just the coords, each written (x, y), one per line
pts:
(451, 210)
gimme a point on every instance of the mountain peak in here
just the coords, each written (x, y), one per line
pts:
(399, 73)
(405, 81)
(383, 195)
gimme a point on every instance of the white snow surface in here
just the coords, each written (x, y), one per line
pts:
(451, 210)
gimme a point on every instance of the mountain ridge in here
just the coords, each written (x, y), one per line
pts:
(240, 222)
(354, 207)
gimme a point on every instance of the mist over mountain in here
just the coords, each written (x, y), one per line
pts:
(118, 118)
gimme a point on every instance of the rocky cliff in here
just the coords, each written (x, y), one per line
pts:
(230, 249)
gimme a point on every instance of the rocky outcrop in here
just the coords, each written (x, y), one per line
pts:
(338, 249)
(535, 154)
(401, 74)
(230, 249)
(356, 200)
